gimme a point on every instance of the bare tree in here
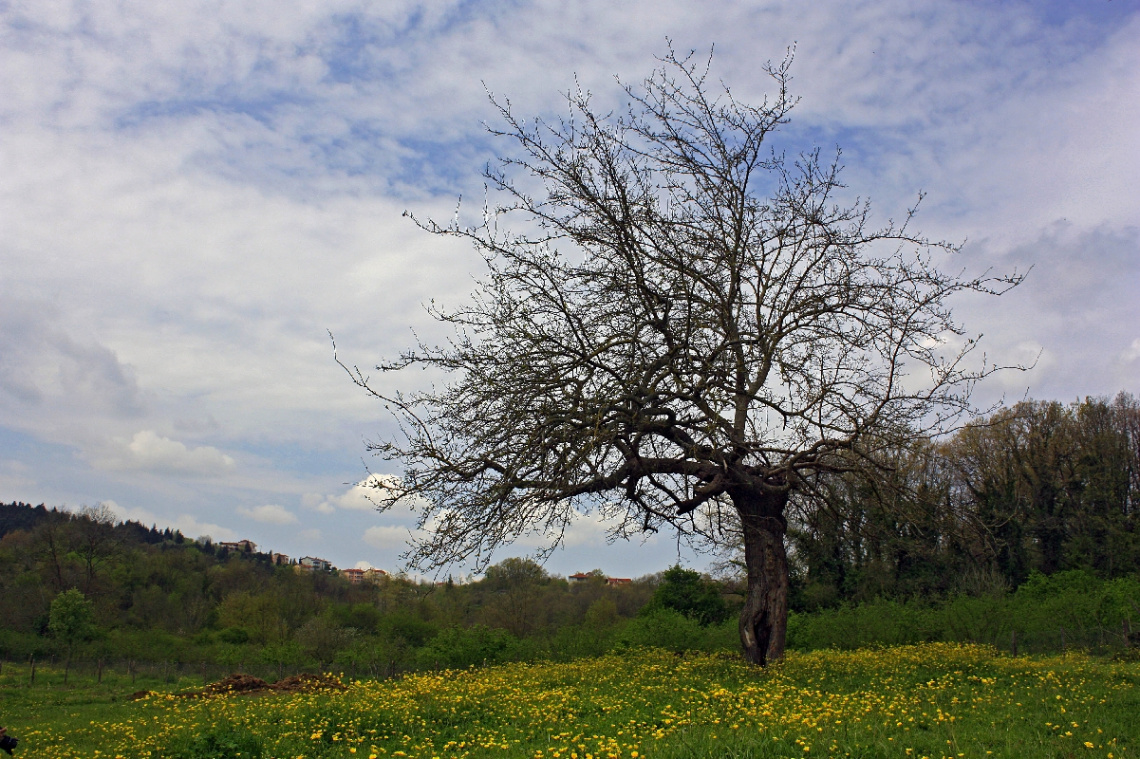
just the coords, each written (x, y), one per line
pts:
(687, 330)
(96, 540)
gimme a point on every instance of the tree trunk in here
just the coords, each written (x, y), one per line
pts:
(764, 618)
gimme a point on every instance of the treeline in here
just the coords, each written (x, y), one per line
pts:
(1039, 490)
(154, 596)
(1040, 487)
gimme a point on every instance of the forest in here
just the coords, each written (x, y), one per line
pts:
(1034, 502)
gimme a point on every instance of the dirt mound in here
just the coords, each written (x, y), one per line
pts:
(250, 685)
(306, 683)
(236, 683)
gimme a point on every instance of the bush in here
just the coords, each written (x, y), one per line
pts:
(1064, 610)
(458, 647)
(686, 592)
(662, 628)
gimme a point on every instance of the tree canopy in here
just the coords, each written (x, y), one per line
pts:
(685, 591)
(681, 327)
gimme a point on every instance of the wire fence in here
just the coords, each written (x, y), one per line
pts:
(53, 670)
(1091, 639)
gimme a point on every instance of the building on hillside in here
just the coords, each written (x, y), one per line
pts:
(279, 559)
(244, 546)
(355, 576)
(313, 564)
(374, 576)
(581, 577)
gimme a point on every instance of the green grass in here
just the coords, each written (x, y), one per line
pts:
(930, 700)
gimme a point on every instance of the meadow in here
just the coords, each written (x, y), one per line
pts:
(927, 700)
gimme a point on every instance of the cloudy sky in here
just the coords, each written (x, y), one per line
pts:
(193, 194)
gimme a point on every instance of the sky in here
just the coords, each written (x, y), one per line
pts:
(194, 195)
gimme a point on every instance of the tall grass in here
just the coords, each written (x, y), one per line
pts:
(932, 700)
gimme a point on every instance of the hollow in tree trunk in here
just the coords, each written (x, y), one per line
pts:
(764, 618)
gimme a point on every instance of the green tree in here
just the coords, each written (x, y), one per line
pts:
(514, 586)
(687, 592)
(71, 621)
(287, 654)
(1053, 487)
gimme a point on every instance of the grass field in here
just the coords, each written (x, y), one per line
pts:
(933, 700)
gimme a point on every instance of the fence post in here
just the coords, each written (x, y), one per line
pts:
(205, 681)
(32, 661)
(1062, 639)
(1127, 634)
(1013, 642)
(131, 670)
(99, 677)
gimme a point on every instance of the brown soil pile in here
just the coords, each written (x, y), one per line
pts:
(235, 683)
(305, 683)
(250, 685)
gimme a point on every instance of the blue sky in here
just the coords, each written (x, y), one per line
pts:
(192, 195)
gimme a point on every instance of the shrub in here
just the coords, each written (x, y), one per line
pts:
(686, 592)
(1064, 610)
(662, 628)
(457, 647)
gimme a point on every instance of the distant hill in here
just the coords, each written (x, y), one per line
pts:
(24, 516)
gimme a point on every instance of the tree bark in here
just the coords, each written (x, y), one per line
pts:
(764, 618)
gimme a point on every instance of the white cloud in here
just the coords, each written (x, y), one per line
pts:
(317, 502)
(269, 513)
(48, 369)
(150, 452)
(14, 477)
(1132, 352)
(583, 530)
(188, 524)
(363, 496)
(124, 513)
(387, 536)
(192, 527)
